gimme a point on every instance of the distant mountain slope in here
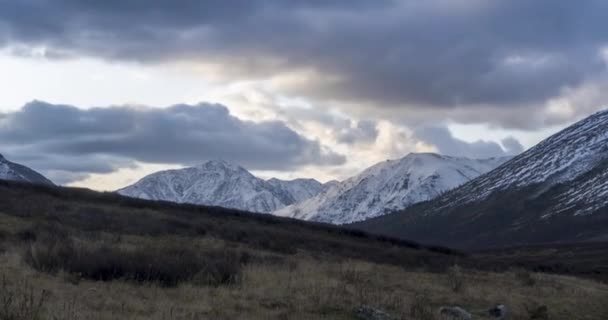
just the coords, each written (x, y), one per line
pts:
(556, 191)
(16, 172)
(220, 183)
(296, 190)
(389, 186)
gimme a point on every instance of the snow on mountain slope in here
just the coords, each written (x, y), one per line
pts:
(389, 186)
(557, 191)
(297, 190)
(220, 183)
(585, 195)
(559, 158)
(16, 172)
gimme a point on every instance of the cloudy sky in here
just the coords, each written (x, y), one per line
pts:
(100, 93)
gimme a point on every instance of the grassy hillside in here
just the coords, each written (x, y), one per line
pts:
(77, 254)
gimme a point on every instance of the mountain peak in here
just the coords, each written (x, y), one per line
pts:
(220, 164)
(420, 157)
(388, 186)
(423, 155)
(221, 183)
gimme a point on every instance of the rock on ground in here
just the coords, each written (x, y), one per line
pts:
(454, 313)
(369, 313)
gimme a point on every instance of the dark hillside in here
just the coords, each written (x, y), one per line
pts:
(90, 211)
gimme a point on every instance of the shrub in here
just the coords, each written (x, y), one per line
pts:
(50, 255)
(456, 279)
(165, 266)
(525, 277)
(221, 268)
(537, 312)
(44, 232)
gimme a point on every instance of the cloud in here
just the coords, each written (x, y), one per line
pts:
(64, 138)
(512, 146)
(445, 143)
(465, 56)
(365, 131)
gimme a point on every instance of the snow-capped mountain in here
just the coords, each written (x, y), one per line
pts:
(296, 190)
(555, 191)
(16, 172)
(389, 186)
(559, 158)
(220, 183)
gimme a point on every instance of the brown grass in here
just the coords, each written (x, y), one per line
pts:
(302, 286)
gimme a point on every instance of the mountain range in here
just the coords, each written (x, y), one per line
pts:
(389, 186)
(223, 184)
(16, 172)
(555, 191)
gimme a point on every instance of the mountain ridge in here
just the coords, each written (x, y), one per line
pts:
(555, 191)
(220, 183)
(17, 172)
(388, 186)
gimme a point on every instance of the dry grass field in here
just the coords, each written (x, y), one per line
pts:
(68, 254)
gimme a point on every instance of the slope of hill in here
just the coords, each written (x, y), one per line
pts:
(555, 191)
(389, 186)
(16, 172)
(220, 183)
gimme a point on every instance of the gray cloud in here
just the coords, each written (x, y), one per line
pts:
(365, 131)
(425, 55)
(442, 139)
(63, 138)
(343, 129)
(512, 146)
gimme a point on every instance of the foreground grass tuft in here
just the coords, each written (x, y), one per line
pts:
(20, 301)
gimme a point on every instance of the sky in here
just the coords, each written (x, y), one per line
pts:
(100, 93)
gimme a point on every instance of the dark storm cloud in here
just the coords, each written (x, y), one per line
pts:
(442, 139)
(101, 140)
(432, 54)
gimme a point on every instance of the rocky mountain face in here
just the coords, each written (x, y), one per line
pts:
(220, 183)
(389, 186)
(16, 172)
(555, 191)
